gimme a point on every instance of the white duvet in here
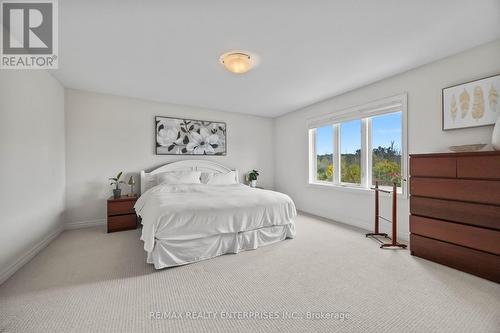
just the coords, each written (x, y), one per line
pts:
(187, 212)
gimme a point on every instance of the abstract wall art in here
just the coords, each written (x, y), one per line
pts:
(471, 104)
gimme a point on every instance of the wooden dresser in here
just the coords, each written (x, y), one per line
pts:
(455, 211)
(121, 214)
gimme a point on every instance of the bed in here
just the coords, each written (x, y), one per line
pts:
(185, 220)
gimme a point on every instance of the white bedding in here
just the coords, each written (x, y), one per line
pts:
(183, 214)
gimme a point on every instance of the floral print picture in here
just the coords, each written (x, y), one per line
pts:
(176, 136)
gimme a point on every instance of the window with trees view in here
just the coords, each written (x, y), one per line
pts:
(350, 152)
(360, 147)
(386, 149)
(324, 153)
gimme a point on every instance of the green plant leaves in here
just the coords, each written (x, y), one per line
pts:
(253, 175)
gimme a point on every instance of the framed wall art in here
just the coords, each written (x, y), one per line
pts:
(471, 104)
(177, 136)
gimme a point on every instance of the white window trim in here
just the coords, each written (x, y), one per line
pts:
(364, 112)
(336, 154)
(339, 157)
(312, 156)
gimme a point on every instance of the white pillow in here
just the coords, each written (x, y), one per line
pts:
(223, 178)
(206, 176)
(149, 181)
(177, 178)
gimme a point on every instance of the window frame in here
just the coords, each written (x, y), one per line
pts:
(365, 113)
(315, 158)
(339, 156)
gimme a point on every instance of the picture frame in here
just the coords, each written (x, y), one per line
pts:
(471, 104)
(183, 136)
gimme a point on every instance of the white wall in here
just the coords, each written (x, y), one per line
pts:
(106, 134)
(32, 171)
(423, 86)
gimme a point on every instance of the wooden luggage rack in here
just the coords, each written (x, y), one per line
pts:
(394, 242)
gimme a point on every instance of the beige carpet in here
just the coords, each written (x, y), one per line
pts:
(90, 281)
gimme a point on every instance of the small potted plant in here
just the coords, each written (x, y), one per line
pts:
(117, 192)
(252, 177)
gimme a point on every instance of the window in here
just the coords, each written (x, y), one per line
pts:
(324, 153)
(361, 146)
(386, 149)
(350, 152)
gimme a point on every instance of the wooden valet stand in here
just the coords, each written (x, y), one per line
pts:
(394, 243)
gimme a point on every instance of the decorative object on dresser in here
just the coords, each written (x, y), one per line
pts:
(467, 148)
(252, 177)
(455, 210)
(121, 214)
(176, 136)
(471, 104)
(117, 192)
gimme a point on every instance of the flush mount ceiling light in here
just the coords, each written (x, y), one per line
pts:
(237, 62)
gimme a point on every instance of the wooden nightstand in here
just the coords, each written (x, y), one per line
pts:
(121, 214)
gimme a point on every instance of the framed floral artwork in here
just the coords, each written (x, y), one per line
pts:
(471, 104)
(176, 136)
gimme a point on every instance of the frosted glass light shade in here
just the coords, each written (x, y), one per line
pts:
(237, 62)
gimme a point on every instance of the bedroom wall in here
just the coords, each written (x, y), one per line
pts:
(423, 86)
(32, 171)
(106, 134)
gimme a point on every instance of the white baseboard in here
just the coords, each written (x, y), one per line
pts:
(363, 225)
(352, 222)
(28, 255)
(85, 224)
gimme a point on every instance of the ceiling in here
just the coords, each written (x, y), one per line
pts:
(168, 51)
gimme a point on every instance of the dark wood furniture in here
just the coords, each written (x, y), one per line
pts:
(121, 214)
(394, 239)
(455, 211)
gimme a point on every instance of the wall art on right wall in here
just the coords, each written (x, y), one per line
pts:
(471, 104)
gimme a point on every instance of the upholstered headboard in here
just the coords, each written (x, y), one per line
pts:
(148, 181)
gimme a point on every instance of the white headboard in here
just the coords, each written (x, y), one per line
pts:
(186, 165)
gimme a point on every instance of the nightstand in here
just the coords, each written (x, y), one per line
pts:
(121, 214)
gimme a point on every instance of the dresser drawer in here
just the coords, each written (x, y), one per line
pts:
(479, 167)
(470, 213)
(121, 207)
(122, 222)
(445, 167)
(479, 263)
(461, 234)
(478, 191)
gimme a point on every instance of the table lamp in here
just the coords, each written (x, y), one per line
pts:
(131, 182)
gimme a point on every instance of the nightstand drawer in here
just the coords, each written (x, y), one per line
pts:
(121, 207)
(122, 222)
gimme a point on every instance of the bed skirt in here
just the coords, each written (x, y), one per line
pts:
(169, 253)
